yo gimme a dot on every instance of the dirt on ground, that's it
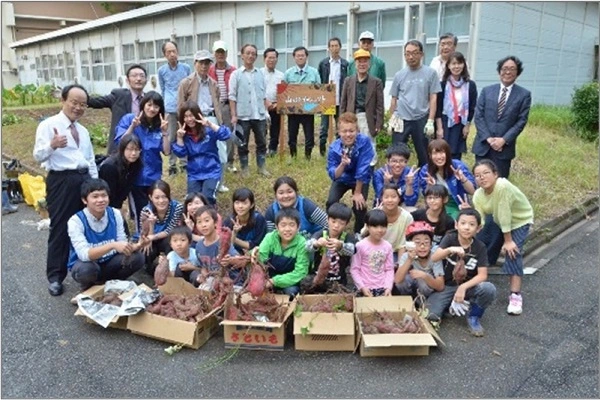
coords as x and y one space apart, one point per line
91 116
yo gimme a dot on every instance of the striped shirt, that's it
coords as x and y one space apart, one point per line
223 96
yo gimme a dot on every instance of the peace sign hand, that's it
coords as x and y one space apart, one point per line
430 180
463 203
378 204
181 130
137 120
410 177
387 174
164 123
203 121
189 222
458 173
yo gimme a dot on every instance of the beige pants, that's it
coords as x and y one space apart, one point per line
363 127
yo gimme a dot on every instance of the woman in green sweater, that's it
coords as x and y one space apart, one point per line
513 214
284 249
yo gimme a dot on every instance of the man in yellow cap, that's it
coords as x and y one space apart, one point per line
362 94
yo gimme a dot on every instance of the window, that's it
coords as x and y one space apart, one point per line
32 67
322 29
185 44
85 64
285 37
38 67
256 36
60 67
454 18
103 64
146 56
21 67
206 40
70 57
128 56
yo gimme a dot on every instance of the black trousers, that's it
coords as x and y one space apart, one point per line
414 129
337 191
502 163
274 129
308 125
63 196
158 246
138 199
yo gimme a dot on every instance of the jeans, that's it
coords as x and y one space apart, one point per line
207 187
415 130
138 199
493 238
482 294
87 273
337 191
410 287
259 127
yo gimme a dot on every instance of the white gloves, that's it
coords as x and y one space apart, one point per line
429 130
459 309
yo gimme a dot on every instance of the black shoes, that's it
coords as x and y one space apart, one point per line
55 288
172 170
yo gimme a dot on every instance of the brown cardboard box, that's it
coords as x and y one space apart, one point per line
97 291
391 344
324 331
172 330
255 335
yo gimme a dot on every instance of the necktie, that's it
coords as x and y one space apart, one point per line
502 101
74 133
135 107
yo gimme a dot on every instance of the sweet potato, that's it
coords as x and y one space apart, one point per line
112 299
322 270
146 225
224 242
459 273
257 280
161 273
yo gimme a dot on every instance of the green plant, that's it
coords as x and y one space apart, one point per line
10 119
585 110
98 134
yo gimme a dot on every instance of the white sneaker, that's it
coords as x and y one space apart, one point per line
232 168
515 304
222 189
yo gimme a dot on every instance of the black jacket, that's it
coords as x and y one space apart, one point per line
324 72
119 102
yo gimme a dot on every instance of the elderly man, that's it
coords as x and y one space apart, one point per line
272 78
201 88
247 101
332 69
414 100
366 41
447 44
122 101
362 94
169 77
64 148
501 115
221 72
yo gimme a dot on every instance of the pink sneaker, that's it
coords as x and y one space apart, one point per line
515 304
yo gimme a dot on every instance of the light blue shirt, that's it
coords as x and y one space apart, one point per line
306 75
247 89
204 98
168 79
175 259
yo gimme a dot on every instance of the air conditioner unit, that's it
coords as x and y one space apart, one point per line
62 23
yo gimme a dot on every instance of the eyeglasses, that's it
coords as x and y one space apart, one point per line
396 161
481 175
412 53
74 103
432 197
422 244
508 69
138 75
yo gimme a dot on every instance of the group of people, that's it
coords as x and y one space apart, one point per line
441 251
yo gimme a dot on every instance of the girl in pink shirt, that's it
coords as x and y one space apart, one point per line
372 266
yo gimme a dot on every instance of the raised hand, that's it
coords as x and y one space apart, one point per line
189 222
429 179
236 225
181 130
410 177
202 121
345 160
387 174
58 141
458 173
164 123
463 203
378 204
137 120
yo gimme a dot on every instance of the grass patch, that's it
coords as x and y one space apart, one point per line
554 167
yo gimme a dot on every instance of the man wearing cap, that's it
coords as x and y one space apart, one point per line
169 77
201 88
362 94
221 72
272 78
414 100
304 74
366 41
332 69
247 100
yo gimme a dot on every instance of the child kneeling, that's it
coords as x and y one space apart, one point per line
417 273
99 247
284 250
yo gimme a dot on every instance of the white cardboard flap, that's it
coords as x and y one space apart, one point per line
325 323
398 339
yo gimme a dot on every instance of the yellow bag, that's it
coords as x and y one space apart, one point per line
34 188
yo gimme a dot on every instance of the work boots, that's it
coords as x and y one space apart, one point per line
7 207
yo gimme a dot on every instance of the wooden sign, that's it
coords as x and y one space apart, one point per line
296 98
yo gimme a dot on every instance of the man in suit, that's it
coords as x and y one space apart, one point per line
362 94
501 114
201 88
332 69
122 101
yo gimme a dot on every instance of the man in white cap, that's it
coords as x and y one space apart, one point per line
366 41
221 71
201 88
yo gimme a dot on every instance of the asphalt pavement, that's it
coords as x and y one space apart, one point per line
551 351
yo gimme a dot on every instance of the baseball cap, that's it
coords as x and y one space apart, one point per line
366 35
202 55
361 53
220 44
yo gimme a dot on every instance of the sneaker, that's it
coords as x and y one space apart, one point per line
515 304
474 326
263 171
222 189
232 168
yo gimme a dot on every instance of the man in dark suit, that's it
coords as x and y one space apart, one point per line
332 69
122 101
501 114
362 94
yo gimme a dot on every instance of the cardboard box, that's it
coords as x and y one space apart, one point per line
255 335
391 344
97 291
172 330
324 331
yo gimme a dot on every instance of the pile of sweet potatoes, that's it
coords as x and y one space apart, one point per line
111 298
255 309
187 308
383 322
329 304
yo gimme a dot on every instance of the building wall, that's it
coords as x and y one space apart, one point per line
554 40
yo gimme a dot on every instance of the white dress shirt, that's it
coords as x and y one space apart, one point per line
507 92
70 157
335 70
271 81
77 232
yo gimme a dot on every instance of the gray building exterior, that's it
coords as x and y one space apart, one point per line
557 41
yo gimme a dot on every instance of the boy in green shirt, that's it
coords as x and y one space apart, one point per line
284 252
